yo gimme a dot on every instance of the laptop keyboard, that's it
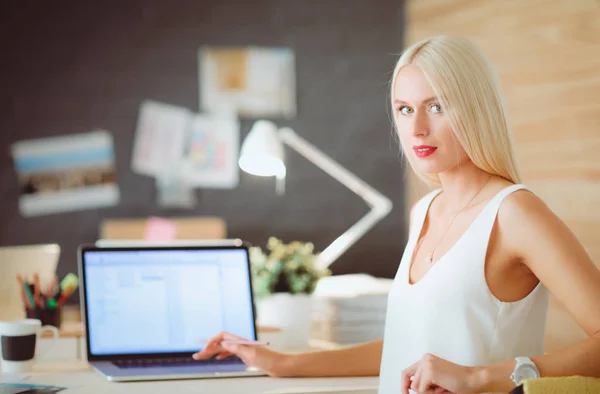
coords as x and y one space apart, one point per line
172 362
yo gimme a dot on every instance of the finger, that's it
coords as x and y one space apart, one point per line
223 355
223 335
216 340
435 390
414 386
426 382
205 353
213 346
407 376
209 351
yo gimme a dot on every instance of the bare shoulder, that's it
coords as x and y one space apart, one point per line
526 224
523 210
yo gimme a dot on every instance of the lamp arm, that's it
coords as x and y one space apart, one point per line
380 205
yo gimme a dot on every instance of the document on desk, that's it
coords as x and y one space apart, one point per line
26 388
325 390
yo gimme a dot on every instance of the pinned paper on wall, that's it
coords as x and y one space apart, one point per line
184 150
212 152
251 81
159 137
66 173
173 190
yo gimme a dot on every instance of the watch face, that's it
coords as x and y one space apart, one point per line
526 372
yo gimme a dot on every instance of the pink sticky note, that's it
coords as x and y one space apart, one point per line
159 229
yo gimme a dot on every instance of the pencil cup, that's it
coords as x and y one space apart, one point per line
48 317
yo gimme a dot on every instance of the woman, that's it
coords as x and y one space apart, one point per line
467 309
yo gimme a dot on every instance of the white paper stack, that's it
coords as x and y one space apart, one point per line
350 309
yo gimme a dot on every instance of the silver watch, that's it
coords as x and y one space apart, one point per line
525 369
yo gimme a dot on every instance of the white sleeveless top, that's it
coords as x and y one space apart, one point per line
451 312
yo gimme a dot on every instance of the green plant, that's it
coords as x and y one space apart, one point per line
287 268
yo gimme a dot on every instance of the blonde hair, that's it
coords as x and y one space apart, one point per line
468 88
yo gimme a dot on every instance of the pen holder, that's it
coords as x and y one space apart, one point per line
48 317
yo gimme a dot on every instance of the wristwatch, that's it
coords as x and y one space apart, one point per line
525 369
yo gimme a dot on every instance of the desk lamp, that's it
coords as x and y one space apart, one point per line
262 154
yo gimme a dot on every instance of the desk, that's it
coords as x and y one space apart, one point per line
62 363
80 379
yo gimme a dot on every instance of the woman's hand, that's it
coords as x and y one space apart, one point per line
433 375
269 361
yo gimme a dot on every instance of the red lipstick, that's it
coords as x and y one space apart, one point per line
424 150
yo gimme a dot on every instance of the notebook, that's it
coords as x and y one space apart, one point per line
147 309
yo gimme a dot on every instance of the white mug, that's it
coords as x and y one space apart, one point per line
18 340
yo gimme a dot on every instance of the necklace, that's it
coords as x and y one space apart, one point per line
429 258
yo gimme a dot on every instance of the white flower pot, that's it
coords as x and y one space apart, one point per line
291 313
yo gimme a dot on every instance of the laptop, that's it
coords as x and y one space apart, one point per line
147 309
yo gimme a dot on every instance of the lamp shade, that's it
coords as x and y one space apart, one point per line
262 151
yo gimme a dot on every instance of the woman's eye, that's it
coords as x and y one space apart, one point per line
404 110
436 108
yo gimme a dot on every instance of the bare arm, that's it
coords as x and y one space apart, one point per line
556 257
359 360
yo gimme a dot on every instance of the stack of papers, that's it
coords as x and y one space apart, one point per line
350 309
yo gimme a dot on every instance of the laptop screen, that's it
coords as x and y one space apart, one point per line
165 300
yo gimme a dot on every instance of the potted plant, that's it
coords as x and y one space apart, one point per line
283 279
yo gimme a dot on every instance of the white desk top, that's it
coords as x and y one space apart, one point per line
78 378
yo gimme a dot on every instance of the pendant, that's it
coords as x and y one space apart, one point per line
430 259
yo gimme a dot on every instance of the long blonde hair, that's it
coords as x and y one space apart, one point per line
468 88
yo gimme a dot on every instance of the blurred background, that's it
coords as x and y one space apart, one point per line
73 67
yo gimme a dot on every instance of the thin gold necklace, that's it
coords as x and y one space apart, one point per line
429 258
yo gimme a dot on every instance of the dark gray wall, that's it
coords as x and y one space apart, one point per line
73 66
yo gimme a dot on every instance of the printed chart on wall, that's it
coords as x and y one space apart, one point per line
159 138
66 173
212 152
198 150
249 81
